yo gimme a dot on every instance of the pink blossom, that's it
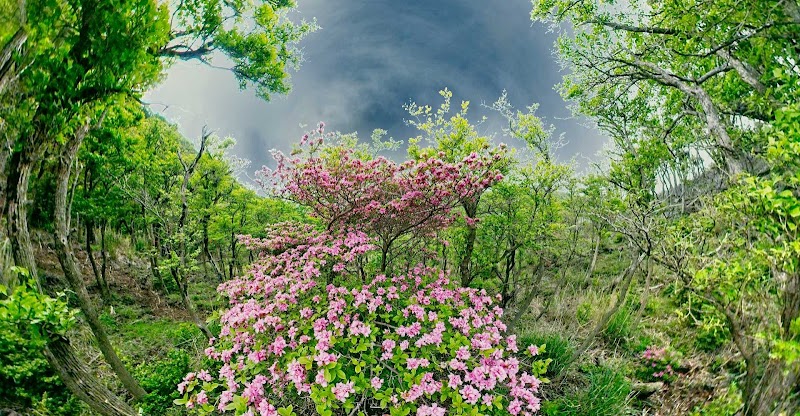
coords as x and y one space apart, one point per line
376 382
533 350
433 410
343 390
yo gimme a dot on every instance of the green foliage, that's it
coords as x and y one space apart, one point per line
160 378
712 331
257 36
606 394
584 312
451 135
27 318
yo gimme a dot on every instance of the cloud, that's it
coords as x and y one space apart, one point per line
370 58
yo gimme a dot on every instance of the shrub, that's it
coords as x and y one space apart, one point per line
657 364
728 404
411 343
26 320
712 332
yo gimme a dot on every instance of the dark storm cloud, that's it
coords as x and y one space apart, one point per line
370 58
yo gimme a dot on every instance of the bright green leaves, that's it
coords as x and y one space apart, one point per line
449 133
287 411
33 313
111 53
788 349
257 37
27 320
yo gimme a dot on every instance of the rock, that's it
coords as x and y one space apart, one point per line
643 390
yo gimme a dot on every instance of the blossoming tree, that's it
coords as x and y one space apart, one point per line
384 199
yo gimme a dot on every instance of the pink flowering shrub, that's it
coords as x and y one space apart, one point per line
657 364
407 344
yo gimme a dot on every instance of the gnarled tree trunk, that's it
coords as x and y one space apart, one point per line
775 391
20 167
80 381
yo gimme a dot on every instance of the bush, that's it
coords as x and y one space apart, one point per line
728 404
709 324
607 394
26 320
657 364
712 332
412 344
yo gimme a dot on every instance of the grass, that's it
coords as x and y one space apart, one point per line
558 348
606 393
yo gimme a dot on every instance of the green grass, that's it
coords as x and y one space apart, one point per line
606 394
622 328
558 348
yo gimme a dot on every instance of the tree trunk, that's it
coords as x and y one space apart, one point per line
13 46
72 272
594 258
5 156
471 210
90 238
234 263
179 273
20 168
104 258
523 306
79 380
207 250
384 258
155 252
507 293
60 354
773 394
188 305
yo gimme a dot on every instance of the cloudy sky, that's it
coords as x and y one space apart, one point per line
371 57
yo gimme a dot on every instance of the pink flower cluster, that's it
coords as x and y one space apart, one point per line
287 331
657 364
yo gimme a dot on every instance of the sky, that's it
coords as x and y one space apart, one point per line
369 58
